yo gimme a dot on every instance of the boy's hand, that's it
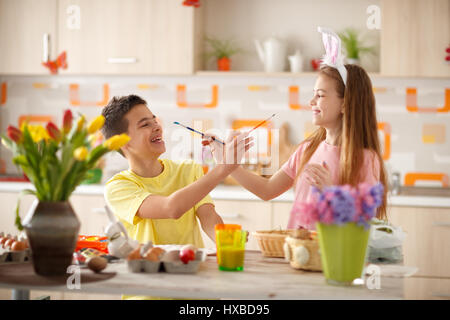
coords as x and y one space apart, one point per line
230 154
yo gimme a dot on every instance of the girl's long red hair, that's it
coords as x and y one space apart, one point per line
359 129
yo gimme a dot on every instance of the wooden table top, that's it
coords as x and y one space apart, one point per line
262 278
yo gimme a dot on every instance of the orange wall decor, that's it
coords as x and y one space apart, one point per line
433 133
74 96
3 93
146 86
182 102
386 129
411 102
249 124
412 177
34 119
294 104
258 88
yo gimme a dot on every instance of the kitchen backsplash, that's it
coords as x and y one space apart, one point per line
413 114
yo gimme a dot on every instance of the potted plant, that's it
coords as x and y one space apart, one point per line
221 50
353 46
55 160
342 216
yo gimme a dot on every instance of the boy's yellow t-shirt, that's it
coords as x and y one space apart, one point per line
125 192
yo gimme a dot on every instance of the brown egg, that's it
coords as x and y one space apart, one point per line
154 254
97 264
8 243
135 254
18 246
151 256
3 240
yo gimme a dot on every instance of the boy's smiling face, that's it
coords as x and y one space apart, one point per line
145 133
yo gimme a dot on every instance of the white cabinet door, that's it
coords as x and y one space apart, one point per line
414 36
91 213
23 24
251 215
280 214
127 37
427 242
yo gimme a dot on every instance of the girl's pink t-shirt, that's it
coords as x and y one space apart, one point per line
330 154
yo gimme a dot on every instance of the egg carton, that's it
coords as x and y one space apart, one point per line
15 256
169 263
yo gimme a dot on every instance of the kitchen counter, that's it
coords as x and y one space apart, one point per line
262 278
223 192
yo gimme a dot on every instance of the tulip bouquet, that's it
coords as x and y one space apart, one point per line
341 204
56 160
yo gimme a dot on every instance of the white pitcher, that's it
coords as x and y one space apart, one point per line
272 54
296 62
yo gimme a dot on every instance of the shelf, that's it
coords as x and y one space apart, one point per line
255 74
287 74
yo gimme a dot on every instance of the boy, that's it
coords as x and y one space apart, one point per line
159 200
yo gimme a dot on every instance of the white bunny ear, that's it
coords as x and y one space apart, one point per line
333 54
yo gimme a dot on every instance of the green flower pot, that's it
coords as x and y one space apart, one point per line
343 251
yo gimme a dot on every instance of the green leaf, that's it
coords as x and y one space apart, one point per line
18 221
8 143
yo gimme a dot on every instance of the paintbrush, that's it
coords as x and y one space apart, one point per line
201 133
260 124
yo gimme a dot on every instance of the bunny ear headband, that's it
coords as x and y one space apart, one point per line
333 56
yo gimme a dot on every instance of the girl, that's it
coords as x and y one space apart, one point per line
345 149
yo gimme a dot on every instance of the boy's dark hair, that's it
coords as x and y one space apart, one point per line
115 111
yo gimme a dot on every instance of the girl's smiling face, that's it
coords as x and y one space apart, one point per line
326 105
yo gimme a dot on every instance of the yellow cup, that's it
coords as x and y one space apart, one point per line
230 244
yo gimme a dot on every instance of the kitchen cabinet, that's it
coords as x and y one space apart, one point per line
8 202
89 209
251 215
414 36
426 289
427 243
129 37
281 212
23 24
91 213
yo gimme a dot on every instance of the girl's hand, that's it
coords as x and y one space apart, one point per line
236 145
317 175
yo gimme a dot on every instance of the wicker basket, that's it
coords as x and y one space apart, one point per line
311 261
271 242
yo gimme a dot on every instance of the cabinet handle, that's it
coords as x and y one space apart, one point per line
441 224
46 47
122 60
440 295
230 215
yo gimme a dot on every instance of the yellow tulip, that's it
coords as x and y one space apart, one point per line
38 133
96 124
80 153
80 123
116 142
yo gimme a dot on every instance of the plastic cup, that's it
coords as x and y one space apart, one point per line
230 244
